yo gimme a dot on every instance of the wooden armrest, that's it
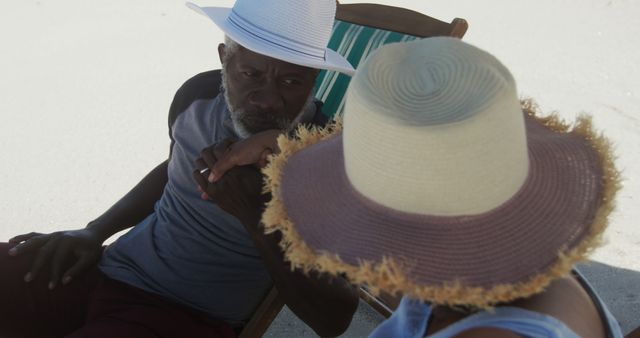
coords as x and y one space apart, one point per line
384 304
264 315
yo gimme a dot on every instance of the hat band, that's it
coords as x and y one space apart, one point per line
271 38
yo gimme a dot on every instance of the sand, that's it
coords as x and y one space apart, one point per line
85 88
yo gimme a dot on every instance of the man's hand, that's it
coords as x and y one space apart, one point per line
55 250
232 152
239 192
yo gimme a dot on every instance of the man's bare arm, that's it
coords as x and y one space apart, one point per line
134 206
85 245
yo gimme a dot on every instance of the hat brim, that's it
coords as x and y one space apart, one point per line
332 60
510 252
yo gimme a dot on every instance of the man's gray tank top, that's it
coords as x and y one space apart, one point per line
189 250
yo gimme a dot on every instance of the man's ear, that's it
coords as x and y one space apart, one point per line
221 50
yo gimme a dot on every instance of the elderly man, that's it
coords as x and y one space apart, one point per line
190 267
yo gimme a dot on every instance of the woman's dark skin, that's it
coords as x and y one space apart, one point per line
325 303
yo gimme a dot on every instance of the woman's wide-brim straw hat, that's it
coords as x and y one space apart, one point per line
440 183
296 32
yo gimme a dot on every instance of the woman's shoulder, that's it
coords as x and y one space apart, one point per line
564 306
567 301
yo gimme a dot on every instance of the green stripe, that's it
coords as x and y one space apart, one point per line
348 33
354 42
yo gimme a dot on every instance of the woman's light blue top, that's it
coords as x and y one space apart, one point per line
411 319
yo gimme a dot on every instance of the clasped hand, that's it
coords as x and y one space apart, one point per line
234 181
231 152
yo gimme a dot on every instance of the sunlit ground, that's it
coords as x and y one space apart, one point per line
85 88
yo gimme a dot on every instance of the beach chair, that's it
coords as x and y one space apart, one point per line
359 29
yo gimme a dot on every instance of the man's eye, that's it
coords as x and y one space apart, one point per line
249 74
290 82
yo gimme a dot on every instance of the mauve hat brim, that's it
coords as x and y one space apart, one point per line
510 252
332 59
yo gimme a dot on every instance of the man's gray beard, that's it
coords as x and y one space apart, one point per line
284 124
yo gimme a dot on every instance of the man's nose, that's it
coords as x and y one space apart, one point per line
267 98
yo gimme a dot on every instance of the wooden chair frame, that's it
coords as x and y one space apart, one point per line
263 316
400 20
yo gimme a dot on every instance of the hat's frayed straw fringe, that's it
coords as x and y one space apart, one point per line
391 275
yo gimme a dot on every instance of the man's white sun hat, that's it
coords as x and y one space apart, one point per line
295 31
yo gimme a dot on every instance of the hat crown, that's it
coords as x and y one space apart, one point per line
432 86
450 133
305 25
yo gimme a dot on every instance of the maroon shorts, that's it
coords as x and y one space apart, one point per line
92 305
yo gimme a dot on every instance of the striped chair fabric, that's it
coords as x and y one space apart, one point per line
355 42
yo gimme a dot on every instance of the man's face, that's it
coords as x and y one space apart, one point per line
263 92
